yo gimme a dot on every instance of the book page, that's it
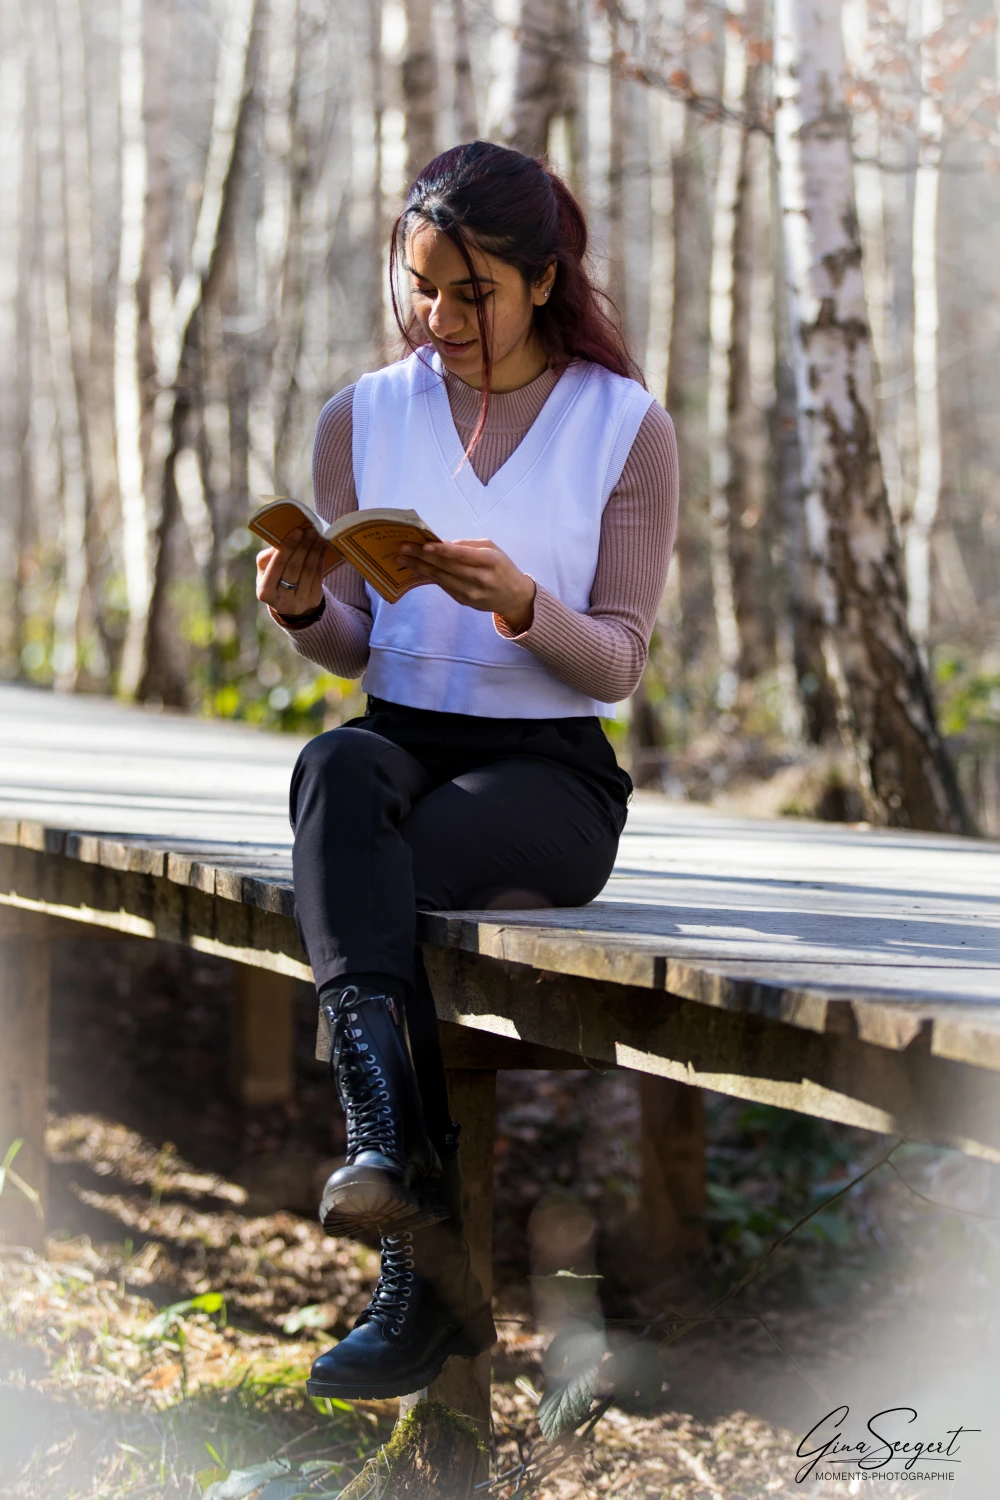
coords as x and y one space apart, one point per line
373 547
278 520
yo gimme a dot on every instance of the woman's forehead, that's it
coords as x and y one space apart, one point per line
430 252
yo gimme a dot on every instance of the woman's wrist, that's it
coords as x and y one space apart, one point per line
299 622
518 615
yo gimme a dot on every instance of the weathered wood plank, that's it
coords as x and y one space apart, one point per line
262 1036
835 1077
672 1149
25 947
465 1383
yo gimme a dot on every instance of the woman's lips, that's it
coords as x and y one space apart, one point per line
454 350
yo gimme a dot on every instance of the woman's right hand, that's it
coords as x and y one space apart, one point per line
297 560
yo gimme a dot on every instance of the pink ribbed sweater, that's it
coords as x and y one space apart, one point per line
600 653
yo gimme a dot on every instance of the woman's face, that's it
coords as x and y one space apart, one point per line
443 305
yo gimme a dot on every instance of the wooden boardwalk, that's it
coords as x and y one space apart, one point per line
848 973
818 925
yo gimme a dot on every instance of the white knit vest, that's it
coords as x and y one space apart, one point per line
543 507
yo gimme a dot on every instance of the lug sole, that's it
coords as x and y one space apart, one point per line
372 1201
464 1344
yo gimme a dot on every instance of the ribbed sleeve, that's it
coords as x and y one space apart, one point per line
338 641
600 653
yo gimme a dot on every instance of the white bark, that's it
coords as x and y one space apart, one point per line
546 33
420 87
128 401
882 687
57 280
925 340
720 338
176 334
465 93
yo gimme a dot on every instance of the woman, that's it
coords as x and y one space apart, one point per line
479 775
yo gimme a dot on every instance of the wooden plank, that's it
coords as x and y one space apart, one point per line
24 1069
465 1383
835 1077
262 1036
672 1151
876 932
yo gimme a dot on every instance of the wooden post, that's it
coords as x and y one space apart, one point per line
673 1164
472 1094
262 1036
24 1068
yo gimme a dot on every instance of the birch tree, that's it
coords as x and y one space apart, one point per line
543 82
420 87
178 343
687 371
925 335
465 92
726 334
23 477
59 201
127 380
881 683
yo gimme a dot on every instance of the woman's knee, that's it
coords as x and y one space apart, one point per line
341 762
343 750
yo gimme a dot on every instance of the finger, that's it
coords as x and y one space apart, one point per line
292 571
267 583
312 574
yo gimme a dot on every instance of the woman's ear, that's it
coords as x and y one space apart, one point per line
543 286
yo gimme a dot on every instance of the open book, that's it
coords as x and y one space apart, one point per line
368 539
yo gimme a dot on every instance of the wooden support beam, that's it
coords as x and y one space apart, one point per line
672 1126
24 1069
262 1036
472 1094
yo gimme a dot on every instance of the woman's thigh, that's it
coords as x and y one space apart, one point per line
516 833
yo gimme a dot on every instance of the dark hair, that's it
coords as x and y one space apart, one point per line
514 208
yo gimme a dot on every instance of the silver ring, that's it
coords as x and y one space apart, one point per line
283 585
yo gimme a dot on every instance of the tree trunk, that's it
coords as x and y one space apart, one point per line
24 526
128 338
465 93
376 305
547 33
925 337
420 87
882 687
687 377
58 94
178 357
800 621
729 352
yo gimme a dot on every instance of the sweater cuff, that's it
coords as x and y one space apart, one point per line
503 629
543 607
300 622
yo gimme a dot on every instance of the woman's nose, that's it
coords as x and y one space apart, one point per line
445 320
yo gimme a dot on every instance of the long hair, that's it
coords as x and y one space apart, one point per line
513 208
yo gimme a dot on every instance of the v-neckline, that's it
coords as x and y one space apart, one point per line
484 497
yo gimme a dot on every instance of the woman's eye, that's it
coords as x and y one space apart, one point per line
420 291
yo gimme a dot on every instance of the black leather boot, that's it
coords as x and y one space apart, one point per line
428 1304
390 1181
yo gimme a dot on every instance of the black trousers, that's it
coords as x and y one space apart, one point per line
407 810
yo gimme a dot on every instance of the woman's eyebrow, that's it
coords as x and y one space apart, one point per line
466 281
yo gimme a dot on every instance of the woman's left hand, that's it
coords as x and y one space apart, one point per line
479 574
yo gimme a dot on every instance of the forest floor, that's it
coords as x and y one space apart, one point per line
162 1341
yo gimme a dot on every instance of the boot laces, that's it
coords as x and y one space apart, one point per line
371 1125
394 1287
